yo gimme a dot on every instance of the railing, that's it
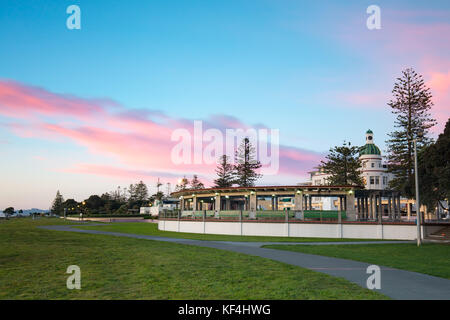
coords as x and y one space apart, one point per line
324 215
263 215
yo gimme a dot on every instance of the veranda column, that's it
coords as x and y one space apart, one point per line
253 201
350 206
217 203
408 210
380 213
378 206
298 202
358 208
182 204
390 207
194 203
363 209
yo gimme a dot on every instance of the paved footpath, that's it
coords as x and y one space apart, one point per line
397 284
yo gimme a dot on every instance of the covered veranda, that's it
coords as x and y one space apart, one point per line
254 202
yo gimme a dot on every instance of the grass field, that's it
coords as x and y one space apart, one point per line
151 229
33 265
430 258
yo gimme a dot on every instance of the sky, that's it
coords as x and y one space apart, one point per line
86 110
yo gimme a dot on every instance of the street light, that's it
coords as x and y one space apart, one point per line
419 236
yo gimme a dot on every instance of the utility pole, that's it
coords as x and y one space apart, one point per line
158 184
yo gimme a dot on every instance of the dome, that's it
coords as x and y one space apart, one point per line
368 149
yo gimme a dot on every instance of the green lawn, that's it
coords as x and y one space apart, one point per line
151 229
430 258
33 263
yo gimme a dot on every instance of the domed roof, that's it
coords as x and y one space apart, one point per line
369 148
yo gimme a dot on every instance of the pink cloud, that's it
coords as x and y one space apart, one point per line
138 140
440 85
407 38
25 102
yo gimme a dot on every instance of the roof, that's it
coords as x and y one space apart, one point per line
369 148
369 131
266 188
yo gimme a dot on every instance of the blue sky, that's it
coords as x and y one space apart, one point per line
311 69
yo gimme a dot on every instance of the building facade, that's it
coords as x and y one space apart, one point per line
374 170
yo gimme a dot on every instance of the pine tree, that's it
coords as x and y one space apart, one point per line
225 173
140 191
131 193
246 165
411 103
196 184
343 165
57 206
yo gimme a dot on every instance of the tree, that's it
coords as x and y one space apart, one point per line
8 211
140 191
411 103
71 205
119 194
94 203
196 184
225 173
434 170
131 193
184 183
246 165
343 165
122 210
57 206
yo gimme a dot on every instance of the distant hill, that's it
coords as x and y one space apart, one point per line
33 210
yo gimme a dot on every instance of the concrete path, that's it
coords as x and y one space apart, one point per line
397 284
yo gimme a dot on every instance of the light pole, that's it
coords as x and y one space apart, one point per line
419 236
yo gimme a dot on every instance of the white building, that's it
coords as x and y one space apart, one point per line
160 205
374 172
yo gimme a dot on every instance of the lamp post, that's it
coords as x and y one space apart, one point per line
419 236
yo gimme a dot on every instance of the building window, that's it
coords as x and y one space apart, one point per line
384 180
379 165
372 180
377 180
373 165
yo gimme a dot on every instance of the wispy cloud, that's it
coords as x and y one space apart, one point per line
139 140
